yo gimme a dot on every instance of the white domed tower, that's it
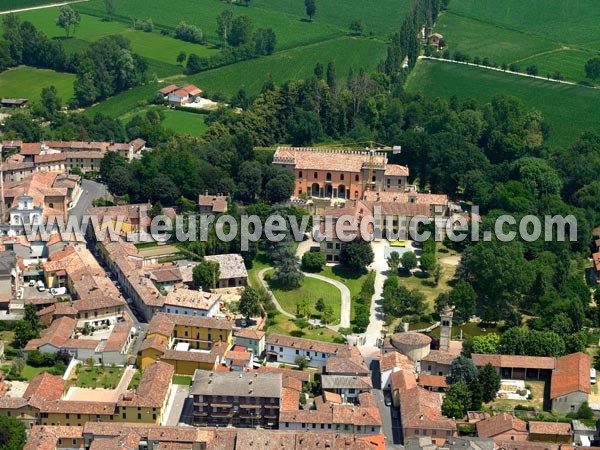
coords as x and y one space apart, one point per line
446 329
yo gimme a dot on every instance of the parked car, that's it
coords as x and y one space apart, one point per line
395 413
31 283
388 399
58 291
41 286
243 323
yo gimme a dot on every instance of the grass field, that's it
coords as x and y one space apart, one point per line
284 325
310 290
9 5
27 82
513 31
160 51
296 63
97 377
182 122
125 101
183 380
570 110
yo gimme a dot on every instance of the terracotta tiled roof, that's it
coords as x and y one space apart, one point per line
190 298
167 89
321 159
304 377
395 359
56 334
406 197
305 344
218 203
350 366
249 333
572 374
290 399
438 381
440 357
523 362
553 428
396 170
410 338
156 342
153 387
403 380
500 423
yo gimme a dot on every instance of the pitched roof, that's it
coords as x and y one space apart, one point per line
218 203
572 374
354 365
515 361
500 423
56 334
330 159
231 265
395 359
45 387
554 428
164 323
190 298
307 344
153 387
249 333
427 380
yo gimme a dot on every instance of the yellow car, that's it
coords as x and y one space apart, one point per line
398 244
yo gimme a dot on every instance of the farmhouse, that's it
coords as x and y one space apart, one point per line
212 204
328 173
13 102
436 40
179 95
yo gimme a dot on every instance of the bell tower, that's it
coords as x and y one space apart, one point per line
445 329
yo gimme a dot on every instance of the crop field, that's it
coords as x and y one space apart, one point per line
125 101
9 5
182 122
514 31
570 110
27 82
160 51
298 63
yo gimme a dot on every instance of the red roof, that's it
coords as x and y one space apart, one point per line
500 423
596 258
572 374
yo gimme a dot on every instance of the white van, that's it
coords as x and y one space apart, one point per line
58 291
41 286
593 376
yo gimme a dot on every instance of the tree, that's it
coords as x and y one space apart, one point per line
280 188
394 261
111 7
241 31
408 261
206 274
532 70
264 41
320 305
486 344
224 26
249 304
17 366
119 179
301 362
462 370
311 8
181 57
592 68
427 262
50 99
489 379
327 315
194 64
331 76
476 395
32 317
585 411
356 28
189 33
313 261
356 255
286 263
457 400
24 332
12 433
464 299
68 19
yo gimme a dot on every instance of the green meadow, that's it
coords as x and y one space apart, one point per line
182 122
569 109
27 82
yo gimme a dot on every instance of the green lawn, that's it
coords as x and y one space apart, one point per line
182 122
135 380
310 289
570 110
350 278
183 380
97 377
297 63
284 325
259 263
27 82
570 63
29 372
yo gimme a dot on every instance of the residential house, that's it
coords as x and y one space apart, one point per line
9 277
570 383
212 204
285 349
503 426
191 302
556 432
232 270
181 95
251 339
232 399
435 383
393 362
436 40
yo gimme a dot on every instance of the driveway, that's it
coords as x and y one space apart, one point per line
177 400
381 268
391 427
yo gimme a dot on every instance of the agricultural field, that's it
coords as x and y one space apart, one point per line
569 109
182 122
160 51
522 32
125 101
298 63
27 82
9 5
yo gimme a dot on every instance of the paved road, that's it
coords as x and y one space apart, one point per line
91 190
391 426
376 320
179 394
345 294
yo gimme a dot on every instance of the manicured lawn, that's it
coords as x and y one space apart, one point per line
97 377
310 290
29 372
125 101
27 82
135 380
285 325
297 63
183 380
537 389
351 279
182 122
570 110
259 263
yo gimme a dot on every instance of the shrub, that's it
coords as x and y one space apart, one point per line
297 333
189 33
313 261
